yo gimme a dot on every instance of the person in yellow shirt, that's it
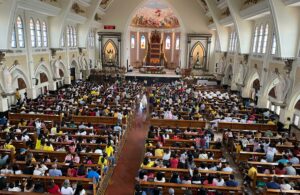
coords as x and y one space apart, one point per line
22 123
9 146
238 147
18 95
103 163
48 147
38 143
109 150
158 152
147 163
270 122
252 172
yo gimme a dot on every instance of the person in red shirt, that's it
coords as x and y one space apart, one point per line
280 170
53 188
174 161
175 137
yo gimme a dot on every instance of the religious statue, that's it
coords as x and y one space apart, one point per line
56 69
110 55
241 74
198 63
7 80
221 66
282 87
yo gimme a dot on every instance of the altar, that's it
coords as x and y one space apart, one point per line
155 60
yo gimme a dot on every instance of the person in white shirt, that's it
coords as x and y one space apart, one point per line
219 181
66 189
167 155
14 188
285 185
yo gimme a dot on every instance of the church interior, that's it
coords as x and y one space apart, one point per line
149 97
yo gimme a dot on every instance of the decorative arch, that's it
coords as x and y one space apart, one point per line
294 100
63 67
42 68
198 47
269 86
250 82
18 73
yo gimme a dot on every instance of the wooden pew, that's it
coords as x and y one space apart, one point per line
274 191
186 142
95 120
268 177
217 153
179 187
61 155
197 161
168 171
269 164
177 123
44 117
244 156
242 126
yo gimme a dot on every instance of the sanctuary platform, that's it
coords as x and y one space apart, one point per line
169 76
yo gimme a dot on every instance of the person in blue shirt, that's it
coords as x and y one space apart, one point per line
273 184
93 174
54 172
231 182
284 160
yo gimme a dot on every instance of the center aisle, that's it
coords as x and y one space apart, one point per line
123 178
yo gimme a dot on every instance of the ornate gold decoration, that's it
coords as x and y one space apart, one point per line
226 12
77 9
250 2
97 18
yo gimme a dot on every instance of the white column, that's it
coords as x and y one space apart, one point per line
3 104
31 89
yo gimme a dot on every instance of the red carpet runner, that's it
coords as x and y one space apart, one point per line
123 179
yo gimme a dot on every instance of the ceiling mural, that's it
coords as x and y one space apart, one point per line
155 14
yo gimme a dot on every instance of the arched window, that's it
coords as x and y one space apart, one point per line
69 36
38 33
168 42
274 45
143 42
255 40
260 39
20 27
177 44
32 32
45 34
74 37
62 40
265 40
132 42
232 41
13 43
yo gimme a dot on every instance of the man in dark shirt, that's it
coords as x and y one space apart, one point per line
231 182
28 170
